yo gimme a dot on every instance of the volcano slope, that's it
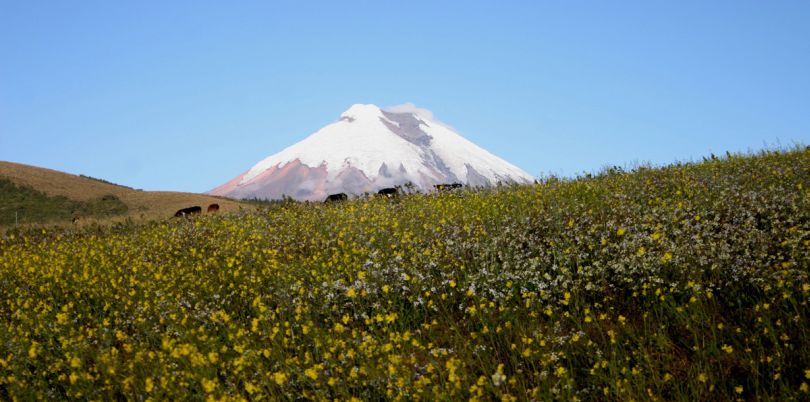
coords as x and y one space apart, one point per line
688 282
369 149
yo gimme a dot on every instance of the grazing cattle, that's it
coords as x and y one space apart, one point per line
447 187
213 208
337 197
388 192
188 211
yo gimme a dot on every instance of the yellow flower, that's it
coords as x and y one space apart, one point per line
621 232
390 318
727 348
209 385
224 316
149 385
738 389
279 377
351 292
312 373
62 318
76 362
702 377
32 351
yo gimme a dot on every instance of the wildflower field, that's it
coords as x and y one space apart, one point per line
688 282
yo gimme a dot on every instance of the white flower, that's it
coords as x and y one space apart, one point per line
498 378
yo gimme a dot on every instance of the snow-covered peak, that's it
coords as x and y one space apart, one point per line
360 111
371 147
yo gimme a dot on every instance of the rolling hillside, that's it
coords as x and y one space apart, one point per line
40 195
680 283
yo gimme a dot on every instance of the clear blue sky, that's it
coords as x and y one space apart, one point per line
171 95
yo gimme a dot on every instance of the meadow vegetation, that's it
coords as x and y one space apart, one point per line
20 204
688 282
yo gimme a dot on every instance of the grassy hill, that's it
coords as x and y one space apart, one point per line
20 203
688 282
37 195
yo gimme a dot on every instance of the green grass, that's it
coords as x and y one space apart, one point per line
688 282
26 205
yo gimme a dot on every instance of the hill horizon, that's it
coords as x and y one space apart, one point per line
76 191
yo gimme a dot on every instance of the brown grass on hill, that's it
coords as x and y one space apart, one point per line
143 205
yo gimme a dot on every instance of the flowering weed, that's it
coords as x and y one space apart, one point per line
688 282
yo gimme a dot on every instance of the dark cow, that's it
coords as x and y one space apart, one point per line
337 197
213 208
188 211
447 187
388 192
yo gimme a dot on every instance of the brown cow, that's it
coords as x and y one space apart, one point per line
213 208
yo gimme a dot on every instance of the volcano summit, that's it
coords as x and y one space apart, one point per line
370 148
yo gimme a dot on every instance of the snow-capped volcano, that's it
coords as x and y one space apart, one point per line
370 148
